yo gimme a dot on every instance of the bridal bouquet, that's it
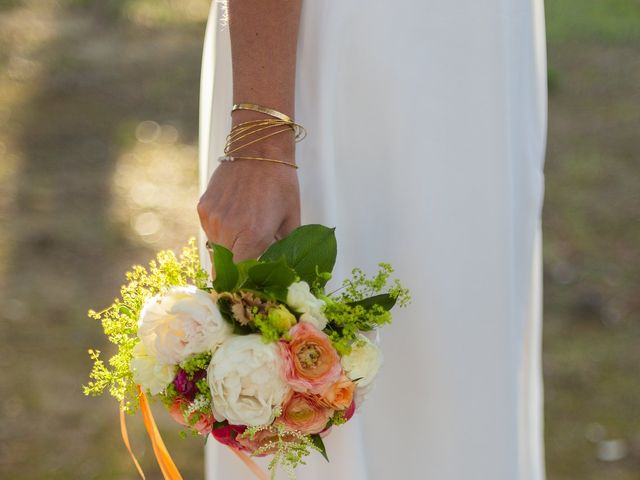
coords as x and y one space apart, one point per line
262 359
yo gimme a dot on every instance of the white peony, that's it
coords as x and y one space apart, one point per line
245 382
363 363
301 300
148 372
182 322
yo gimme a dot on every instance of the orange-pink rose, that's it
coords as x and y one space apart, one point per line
202 425
339 395
311 364
305 414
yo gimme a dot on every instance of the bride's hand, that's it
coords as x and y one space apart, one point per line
249 204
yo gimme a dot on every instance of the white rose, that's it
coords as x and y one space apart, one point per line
245 382
363 363
148 372
300 299
180 323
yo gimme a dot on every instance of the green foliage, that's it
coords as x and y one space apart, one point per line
243 270
361 306
120 320
275 324
170 394
266 277
384 300
227 273
196 363
309 249
309 254
359 288
272 278
269 332
289 447
338 418
319 444
346 321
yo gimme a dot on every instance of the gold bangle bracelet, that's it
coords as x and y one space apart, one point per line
229 158
262 109
254 126
244 134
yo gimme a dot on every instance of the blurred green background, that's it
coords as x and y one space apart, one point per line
98 123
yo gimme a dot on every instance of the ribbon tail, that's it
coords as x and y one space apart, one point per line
253 466
167 466
165 462
125 439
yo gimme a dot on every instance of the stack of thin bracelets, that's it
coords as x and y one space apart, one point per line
280 122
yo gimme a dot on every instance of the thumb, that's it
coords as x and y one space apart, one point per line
290 224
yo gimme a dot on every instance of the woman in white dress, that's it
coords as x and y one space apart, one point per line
426 126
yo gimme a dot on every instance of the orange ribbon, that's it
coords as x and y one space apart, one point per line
125 439
253 466
167 466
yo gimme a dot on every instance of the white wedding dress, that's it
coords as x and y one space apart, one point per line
426 123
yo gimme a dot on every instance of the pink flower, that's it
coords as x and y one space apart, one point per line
227 435
186 386
304 414
262 439
350 411
310 363
202 425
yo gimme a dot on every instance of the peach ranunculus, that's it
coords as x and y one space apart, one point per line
339 395
303 413
204 423
311 364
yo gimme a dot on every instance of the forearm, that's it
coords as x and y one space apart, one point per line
264 36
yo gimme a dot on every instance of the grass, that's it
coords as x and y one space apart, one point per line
97 93
606 22
592 230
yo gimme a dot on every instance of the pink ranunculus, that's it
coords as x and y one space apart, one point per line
303 413
227 435
310 363
202 425
262 439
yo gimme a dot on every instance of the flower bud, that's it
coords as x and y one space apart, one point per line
281 318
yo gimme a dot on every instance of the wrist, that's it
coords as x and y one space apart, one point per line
280 146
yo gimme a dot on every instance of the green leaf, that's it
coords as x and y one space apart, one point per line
243 270
272 277
226 271
272 273
317 441
306 248
385 300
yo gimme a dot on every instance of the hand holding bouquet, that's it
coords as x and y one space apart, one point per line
263 359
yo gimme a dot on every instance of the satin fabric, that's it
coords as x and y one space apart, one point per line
426 123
